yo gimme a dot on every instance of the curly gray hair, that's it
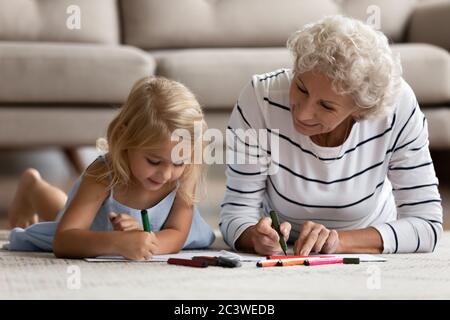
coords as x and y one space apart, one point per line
356 57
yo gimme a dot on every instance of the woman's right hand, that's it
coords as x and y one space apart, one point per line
264 239
138 245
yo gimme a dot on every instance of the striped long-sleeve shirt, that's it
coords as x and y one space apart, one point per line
382 176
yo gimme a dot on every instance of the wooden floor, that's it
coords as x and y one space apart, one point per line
55 168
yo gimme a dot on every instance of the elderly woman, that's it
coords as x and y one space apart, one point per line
354 172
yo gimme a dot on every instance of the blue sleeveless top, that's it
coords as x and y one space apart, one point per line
39 237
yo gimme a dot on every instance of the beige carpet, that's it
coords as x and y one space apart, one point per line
42 276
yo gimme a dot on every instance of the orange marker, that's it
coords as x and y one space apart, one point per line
292 262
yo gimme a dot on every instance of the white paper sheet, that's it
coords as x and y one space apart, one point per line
184 254
362 257
244 257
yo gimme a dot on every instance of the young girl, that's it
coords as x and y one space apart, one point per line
102 213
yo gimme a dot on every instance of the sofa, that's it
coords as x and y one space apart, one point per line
67 65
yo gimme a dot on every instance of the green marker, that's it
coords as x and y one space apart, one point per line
145 221
276 226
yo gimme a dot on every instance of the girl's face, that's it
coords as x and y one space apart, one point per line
153 169
315 107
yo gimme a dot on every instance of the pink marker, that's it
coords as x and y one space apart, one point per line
318 262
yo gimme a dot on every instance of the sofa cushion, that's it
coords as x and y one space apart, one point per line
428 22
156 24
217 76
46 126
438 126
69 73
427 70
45 20
391 15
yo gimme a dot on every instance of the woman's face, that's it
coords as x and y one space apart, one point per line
315 107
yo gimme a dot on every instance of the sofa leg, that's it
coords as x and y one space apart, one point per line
75 159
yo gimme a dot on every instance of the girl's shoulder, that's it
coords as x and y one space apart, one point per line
90 190
97 172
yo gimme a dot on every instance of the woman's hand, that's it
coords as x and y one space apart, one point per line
137 245
314 237
265 239
123 222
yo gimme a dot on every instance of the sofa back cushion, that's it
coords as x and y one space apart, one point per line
156 24
390 17
46 20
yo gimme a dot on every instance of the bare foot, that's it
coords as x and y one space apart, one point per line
21 212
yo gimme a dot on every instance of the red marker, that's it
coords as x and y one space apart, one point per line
188 262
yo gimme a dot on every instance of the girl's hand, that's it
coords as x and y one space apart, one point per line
138 245
265 239
314 237
123 222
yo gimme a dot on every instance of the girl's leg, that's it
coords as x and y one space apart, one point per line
35 200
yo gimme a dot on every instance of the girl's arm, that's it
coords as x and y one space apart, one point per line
176 229
73 238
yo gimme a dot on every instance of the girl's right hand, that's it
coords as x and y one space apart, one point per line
138 245
265 239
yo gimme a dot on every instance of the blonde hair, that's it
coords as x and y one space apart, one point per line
155 107
356 57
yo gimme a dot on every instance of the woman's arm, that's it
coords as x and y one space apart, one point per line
366 240
246 182
245 241
315 237
414 184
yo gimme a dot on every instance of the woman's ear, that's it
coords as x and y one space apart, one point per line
357 112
